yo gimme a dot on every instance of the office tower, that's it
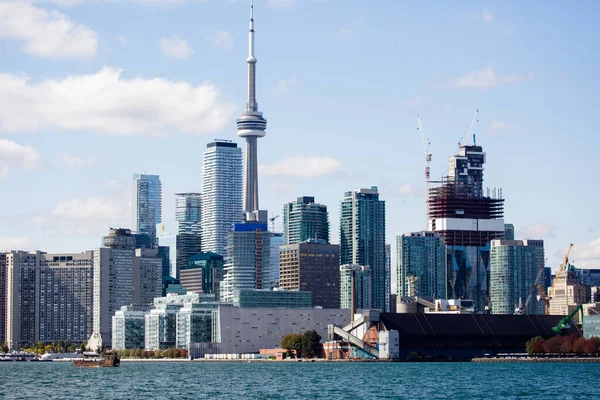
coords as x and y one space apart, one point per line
388 276
221 194
313 267
304 219
251 125
276 243
468 221
362 279
203 273
362 237
113 283
49 297
247 265
421 265
509 232
188 213
515 266
3 299
567 292
128 327
147 204
147 276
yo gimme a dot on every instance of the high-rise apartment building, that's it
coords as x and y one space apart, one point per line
188 213
421 265
361 278
313 267
221 194
128 327
304 219
146 203
388 276
468 221
49 297
362 238
147 276
248 261
515 266
3 299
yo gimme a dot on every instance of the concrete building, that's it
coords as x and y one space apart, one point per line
388 276
247 265
203 273
147 204
221 194
3 298
147 276
314 267
48 297
421 265
361 278
128 327
252 298
195 324
515 267
362 238
591 326
567 292
304 219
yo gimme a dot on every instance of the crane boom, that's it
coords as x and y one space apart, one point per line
426 147
471 126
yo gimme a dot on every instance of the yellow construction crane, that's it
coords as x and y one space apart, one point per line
542 295
427 147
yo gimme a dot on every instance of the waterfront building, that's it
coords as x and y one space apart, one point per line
252 298
147 276
421 265
147 204
312 266
276 243
251 125
3 297
304 219
48 297
362 238
247 265
515 266
388 276
359 278
567 292
221 194
113 282
468 220
509 232
128 327
195 324
591 326
203 273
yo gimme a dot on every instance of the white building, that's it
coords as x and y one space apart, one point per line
128 328
221 194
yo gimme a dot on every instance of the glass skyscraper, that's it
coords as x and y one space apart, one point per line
221 194
421 265
188 213
362 238
147 204
303 219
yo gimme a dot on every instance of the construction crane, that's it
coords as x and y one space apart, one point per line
565 322
272 220
520 309
473 120
426 147
542 295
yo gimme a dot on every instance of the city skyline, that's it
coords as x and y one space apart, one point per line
517 116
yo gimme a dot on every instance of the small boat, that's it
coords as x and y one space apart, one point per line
89 361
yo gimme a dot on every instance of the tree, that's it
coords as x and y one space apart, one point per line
4 348
578 346
532 345
592 346
311 344
292 342
138 353
552 345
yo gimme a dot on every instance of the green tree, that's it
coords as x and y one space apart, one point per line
531 347
5 348
311 344
138 353
292 342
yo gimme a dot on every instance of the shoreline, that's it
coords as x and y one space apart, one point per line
539 360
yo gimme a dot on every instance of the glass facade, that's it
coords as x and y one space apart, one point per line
147 204
421 265
128 328
272 299
363 286
303 219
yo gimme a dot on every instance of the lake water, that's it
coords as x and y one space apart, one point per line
270 380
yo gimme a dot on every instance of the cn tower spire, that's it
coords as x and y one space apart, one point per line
251 125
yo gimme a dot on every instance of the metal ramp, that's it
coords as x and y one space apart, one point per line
347 336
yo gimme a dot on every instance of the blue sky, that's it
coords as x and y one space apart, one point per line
92 91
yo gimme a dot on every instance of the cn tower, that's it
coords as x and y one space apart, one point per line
251 125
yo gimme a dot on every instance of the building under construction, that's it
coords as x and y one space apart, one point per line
468 220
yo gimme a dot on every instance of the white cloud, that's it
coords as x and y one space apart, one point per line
487 16
45 33
588 255
414 102
281 187
112 183
538 230
8 243
404 190
499 126
122 40
93 208
284 85
301 166
484 79
14 155
175 48
75 161
106 103
280 3
223 40
344 34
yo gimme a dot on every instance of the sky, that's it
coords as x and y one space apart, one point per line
93 91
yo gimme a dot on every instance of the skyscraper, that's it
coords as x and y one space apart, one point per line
466 169
362 237
251 125
221 194
146 203
515 266
276 243
362 278
304 219
188 213
421 265
509 232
